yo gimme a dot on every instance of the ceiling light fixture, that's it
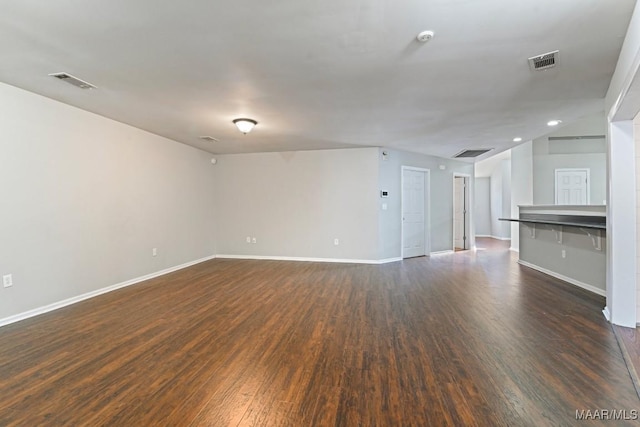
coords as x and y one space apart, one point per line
554 122
517 139
425 36
245 125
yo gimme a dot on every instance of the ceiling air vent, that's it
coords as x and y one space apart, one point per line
473 153
544 61
576 138
209 138
66 77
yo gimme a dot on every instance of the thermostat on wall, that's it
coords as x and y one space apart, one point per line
384 193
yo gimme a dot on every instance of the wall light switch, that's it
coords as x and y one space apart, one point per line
154 252
248 239
254 240
384 206
336 242
7 280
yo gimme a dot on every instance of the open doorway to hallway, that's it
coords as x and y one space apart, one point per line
461 221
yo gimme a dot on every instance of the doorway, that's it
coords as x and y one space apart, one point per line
460 212
572 186
415 212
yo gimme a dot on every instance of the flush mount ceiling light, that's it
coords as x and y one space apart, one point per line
554 122
245 125
517 139
425 36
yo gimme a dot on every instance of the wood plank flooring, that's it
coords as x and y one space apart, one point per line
465 339
629 341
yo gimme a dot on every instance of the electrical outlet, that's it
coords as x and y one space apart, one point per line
154 251
248 239
336 242
7 280
254 240
564 253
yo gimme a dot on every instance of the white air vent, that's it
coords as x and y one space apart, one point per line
576 138
544 61
209 138
66 77
473 153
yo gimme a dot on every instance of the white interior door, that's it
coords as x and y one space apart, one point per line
413 213
459 212
572 186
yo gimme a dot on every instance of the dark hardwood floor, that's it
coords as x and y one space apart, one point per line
629 341
462 339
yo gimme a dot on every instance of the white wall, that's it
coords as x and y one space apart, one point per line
544 175
622 104
85 199
440 210
636 138
621 266
296 203
521 185
482 206
591 154
627 65
505 226
501 199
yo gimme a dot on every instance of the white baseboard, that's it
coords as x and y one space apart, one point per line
73 300
514 249
607 314
575 282
388 260
448 251
307 259
493 237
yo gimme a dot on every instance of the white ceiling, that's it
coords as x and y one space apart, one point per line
321 73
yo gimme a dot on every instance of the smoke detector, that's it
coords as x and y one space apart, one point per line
425 36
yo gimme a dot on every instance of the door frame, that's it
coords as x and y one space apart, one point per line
555 182
427 209
467 217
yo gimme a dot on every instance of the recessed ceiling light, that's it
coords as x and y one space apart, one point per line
554 122
517 139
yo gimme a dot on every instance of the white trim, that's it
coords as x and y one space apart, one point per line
493 237
427 211
308 259
514 249
622 244
76 299
606 313
388 260
575 282
448 251
573 170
